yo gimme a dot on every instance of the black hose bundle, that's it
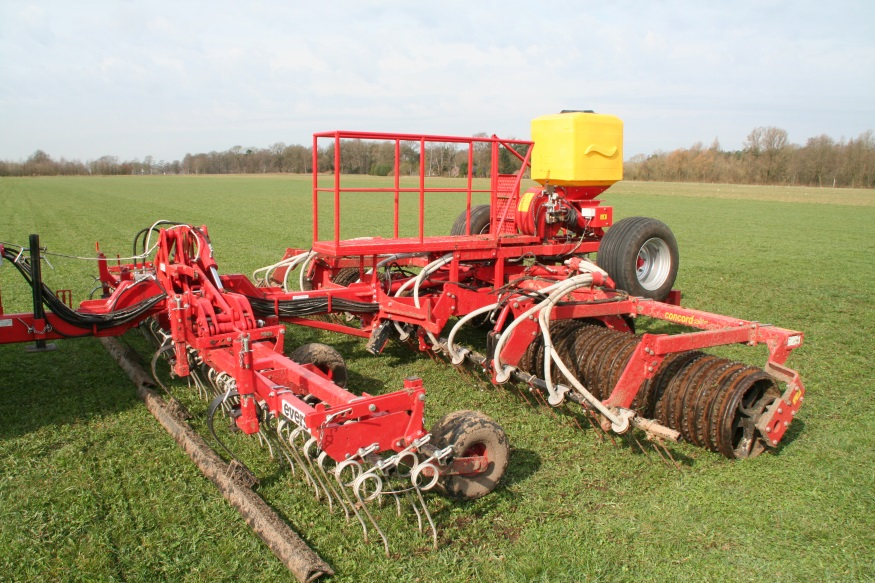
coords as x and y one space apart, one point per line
82 320
307 307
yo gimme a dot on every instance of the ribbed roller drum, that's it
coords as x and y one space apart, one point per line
713 402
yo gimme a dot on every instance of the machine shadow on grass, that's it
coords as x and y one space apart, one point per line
58 387
796 429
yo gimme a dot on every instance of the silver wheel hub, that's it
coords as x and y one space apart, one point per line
654 264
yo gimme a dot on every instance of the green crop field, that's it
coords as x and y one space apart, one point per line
92 488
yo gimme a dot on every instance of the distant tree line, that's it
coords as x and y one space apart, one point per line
767 157
41 164
358 157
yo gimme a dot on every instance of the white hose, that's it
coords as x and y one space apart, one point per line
458 357
416 282
618 423
433 266
502 372
290 262
304 267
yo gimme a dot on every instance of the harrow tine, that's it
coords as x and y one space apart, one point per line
638 443
378 485
569 413
430 473
589 417
415 509
321 464
202 390
282 425
301 464
434 536
656 447
338 472
307 448
671 457
592 417
263 438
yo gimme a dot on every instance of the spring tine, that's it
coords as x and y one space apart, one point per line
264 441
434 536
338 470
358 494
307 446
275 442
301 455
294 451
321 465
415 509
282 425
397 502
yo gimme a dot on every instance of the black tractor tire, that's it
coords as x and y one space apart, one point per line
346 276
480 220
472 433
325 358
641 256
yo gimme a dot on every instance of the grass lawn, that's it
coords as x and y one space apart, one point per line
92 488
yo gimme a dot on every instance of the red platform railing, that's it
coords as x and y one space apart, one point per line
503 189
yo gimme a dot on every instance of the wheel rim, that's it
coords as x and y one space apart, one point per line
654 263
752 396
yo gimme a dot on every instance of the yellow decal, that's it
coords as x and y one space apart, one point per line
687 320
603 217
796 396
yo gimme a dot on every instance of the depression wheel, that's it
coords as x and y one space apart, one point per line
325 358
472 433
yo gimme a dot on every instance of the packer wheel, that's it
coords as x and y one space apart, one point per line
480 219
641 256
740 410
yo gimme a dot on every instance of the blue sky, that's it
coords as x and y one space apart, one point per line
85 79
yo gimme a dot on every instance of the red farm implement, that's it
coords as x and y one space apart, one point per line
517 263
519 267
349 447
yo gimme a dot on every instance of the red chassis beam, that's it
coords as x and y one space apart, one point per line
24 327
344 422
207 313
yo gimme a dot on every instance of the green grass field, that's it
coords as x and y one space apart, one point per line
92 488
